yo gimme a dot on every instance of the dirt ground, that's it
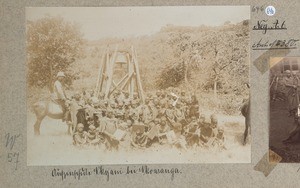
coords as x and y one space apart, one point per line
54 147
280 126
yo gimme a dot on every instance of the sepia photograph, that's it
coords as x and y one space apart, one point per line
147 85
284 126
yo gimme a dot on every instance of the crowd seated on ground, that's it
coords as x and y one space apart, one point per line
166 117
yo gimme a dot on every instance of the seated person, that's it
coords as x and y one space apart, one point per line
138 137
201 120
206 133
92 137
163 130
175 138
153 131
192 132
79 138
120 111
193 125
214 124
219 140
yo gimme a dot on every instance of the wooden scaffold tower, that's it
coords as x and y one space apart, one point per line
131 80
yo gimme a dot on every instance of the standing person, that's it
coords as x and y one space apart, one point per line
297 84
194 107
290 91
59 94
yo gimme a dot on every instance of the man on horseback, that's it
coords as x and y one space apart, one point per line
59 94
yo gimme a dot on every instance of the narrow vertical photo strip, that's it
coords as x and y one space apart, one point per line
284 129
138 85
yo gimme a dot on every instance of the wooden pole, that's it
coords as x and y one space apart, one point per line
131 71
100 73
110 73
139 83
103 75
128 69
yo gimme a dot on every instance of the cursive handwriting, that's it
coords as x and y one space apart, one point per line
106 172
264 26
12 156
275 44
10 140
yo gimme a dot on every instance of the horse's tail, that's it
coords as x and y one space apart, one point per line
35 108
245 109
38 107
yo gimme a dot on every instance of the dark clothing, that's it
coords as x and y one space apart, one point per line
206 133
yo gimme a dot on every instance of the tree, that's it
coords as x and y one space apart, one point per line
185 56
207 58
53 44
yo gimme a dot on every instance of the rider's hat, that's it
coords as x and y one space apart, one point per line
60 74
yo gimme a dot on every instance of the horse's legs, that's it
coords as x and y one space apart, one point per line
70 128
37 125
246 131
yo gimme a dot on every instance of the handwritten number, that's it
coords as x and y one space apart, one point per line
262 8
17 160
13 157
257 8
9 157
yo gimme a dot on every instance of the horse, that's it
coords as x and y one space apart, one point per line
245 110
53 110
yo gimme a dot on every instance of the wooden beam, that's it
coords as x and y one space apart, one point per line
139 83
110 73
114 83
103 79
128 69
100 73
131 84
128 80
118 84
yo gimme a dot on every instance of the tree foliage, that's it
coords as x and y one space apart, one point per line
208 57
53 44
186 56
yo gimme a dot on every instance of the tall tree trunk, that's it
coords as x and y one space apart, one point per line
215 89
215 92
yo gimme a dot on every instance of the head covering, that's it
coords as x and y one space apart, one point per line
288 71
220 129
92 127
213 119
80 125
61 74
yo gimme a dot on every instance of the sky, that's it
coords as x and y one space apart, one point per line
101 22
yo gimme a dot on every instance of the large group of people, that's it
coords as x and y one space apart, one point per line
166 117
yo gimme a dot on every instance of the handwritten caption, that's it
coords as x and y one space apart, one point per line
108 173
12 154
266 25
